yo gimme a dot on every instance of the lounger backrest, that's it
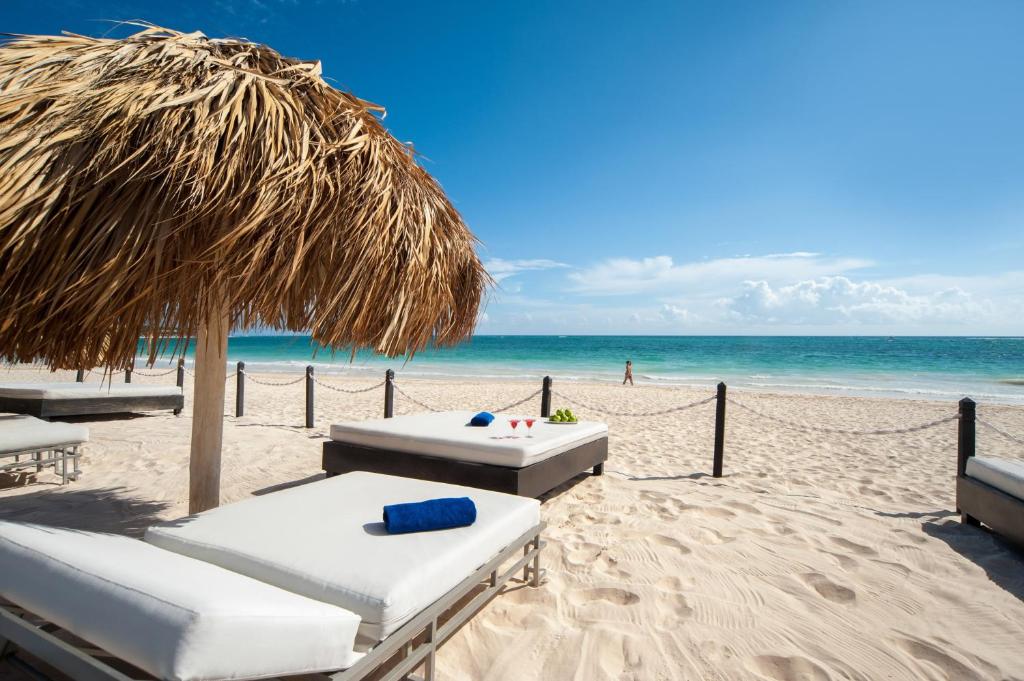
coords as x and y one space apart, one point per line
172 616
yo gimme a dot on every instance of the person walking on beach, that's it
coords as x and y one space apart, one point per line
629 372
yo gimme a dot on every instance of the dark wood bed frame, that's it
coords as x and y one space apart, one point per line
84 406
529 481
978 502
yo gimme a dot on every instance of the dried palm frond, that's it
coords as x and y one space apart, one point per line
139 175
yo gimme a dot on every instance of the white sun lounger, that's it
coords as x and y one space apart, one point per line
46 400
43 443
265 591
443 447
296 539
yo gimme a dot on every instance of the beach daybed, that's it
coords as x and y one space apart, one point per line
47 400
299 582
443 447
991 491
43 444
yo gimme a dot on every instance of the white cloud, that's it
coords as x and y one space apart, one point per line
659 274
838 300
672 313
502 269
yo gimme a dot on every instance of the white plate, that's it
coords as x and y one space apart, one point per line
563 423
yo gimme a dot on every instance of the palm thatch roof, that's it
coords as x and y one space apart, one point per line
139 175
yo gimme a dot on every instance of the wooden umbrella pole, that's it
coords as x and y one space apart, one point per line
208 411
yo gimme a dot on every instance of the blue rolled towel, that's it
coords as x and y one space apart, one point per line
434 514
484 418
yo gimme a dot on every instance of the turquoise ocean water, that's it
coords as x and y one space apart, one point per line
986 368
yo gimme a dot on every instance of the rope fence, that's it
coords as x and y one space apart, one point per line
808 428
630 414
999 431
965 414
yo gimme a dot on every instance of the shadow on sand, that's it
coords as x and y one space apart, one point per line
287 485
110 509
1001 561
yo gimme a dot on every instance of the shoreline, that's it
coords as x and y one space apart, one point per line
365 377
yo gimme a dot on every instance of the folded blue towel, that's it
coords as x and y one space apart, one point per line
484 418
434 514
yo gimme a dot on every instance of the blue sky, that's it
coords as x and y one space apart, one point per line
671 167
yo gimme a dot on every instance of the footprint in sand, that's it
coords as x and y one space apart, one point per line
788 668
674 584
859 549
671 543
708 536
608 594
583 555
740 506
828 589
934 655
716 512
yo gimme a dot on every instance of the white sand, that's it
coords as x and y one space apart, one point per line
816 557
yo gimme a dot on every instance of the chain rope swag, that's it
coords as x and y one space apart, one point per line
999 431
513 405
353 391
797 425
136 372
235 373
274 384
611 412
412 399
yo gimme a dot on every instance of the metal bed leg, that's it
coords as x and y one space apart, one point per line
74 462
63 466
38 457
526 568
429 663
536 561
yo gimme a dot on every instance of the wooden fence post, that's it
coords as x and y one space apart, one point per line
545 398
719 432
389 393
181 372
240 390
80 376
309 396
965 440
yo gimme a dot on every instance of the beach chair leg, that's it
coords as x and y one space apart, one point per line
74 462
38 456
536 562
526 569
429 663
599 469
969 520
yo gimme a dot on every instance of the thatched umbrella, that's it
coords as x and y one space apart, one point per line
170 186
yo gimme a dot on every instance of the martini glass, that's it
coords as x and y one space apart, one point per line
513 423
529 426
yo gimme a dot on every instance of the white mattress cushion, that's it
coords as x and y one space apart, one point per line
1006 475
172 616
326 540
448 435
72 391
20 433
